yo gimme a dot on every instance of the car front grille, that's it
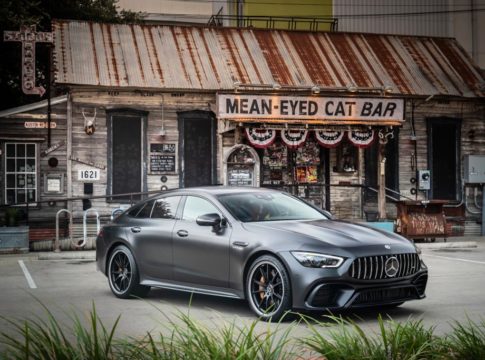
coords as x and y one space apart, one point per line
374 267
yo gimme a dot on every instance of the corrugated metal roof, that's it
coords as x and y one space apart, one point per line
211 58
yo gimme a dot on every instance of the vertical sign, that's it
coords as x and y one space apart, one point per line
29 37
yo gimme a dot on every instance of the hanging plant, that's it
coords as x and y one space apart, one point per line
294 138
329 138
260 138
361 139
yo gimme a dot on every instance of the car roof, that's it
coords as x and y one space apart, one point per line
219 190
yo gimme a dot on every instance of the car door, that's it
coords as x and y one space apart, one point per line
200 253
152 234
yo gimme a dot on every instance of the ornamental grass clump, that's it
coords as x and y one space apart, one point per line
47 339
394 341
467 340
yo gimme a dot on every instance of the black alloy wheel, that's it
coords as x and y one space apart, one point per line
123 274
268 288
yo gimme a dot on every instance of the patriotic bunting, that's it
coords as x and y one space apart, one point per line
361 139
260 138
294 138
329 138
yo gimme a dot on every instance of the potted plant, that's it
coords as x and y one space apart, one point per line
13 238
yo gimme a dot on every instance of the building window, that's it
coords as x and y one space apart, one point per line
20 172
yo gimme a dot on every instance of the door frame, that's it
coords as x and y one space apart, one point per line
191 115
143 115
430 122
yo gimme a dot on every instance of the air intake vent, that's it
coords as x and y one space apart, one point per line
385 266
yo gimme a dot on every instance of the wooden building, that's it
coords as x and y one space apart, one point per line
159 107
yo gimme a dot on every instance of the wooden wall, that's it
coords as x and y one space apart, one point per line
12 129
93 148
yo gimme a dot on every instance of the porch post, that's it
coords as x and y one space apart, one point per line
381 180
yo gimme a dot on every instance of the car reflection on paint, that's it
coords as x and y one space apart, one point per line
266 246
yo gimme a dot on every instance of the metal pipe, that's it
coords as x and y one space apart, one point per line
475 193
57 245
467 207
85 230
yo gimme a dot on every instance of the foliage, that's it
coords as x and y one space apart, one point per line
14 13
336 338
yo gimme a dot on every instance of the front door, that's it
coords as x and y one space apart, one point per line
200 254
127 148
444 158
197 148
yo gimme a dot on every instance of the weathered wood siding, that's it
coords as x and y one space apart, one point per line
94 148
12 129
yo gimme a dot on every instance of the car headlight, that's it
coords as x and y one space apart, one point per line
316 260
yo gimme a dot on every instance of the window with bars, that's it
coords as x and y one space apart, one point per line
20 172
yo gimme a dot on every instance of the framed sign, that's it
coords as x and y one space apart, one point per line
54 183
162 158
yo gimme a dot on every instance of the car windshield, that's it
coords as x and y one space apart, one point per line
264 206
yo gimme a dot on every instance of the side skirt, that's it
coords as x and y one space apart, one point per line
190 289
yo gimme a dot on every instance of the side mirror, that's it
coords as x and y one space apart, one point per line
209 220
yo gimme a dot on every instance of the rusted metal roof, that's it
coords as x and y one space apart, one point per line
213 59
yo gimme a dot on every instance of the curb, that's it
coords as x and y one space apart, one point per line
68 255
448 245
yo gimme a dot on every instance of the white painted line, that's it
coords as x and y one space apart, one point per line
456 259
27 275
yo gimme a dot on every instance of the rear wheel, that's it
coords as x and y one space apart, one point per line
268 288
123 276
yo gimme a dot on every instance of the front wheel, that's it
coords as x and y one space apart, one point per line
123 276
268 288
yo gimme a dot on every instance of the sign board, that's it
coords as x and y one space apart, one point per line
87 162
334 109
39 124
161 163
240 177
52 148
162 148
53 183
88 174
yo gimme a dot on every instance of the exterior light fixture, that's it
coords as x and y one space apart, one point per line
236 85
352 88
276 86
387 89
316 89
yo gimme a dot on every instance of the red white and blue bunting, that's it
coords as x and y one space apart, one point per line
294 138
361 139
329 138
260 138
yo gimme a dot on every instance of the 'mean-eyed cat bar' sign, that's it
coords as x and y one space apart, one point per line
326 109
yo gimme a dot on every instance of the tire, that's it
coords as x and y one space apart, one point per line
123 276
268 288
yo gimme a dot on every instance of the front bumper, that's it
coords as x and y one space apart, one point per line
335 289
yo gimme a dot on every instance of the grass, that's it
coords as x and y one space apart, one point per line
334 338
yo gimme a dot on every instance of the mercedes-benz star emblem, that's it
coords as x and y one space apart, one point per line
391 267
388 247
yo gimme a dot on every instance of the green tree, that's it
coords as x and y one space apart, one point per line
14 13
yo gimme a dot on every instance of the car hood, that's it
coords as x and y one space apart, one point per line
336 233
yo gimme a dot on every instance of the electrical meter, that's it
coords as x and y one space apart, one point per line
424 180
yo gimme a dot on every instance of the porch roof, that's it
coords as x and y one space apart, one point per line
197 58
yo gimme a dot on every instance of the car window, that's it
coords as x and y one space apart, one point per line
166 208
135 210
146 210
196 206
264 206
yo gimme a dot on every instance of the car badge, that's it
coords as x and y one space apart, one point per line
388 247
391 267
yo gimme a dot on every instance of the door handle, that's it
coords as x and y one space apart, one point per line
135 229
183 233
240 244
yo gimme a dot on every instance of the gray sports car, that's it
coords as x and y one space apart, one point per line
266 246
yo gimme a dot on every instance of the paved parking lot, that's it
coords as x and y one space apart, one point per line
455 290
